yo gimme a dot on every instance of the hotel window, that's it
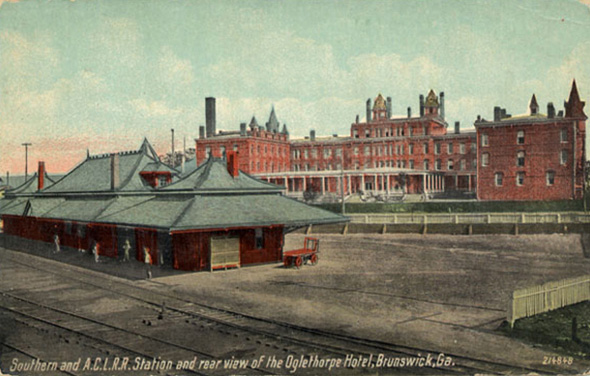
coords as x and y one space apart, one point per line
499 178
367 133
258 166
314 153
473 147
398 131
411 164
207 151
339 152
550 177
485 159
403 164
258 149
519 178
235 147
437 165
426 166
411 149
425 130
327 153
450 148
259 235
563 135
265 150
563 157
356 151
410 131
462 164
355 133
425 148
450 164
367 150
474 164
484 139
520 137
520 159
305 154
436 148
462 148
401 148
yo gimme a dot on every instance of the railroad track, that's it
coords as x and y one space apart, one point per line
275 335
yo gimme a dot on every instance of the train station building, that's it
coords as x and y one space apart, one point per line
129 202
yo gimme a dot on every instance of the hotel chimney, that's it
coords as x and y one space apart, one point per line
457 127
115 178
421 105
409 112
201 131
497 113
312 135
41 176
368 110
550 110
243 129
210 116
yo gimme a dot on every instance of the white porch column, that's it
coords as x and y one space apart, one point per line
323 185
287 183
362 182
423 182
304 184
469 182
349 188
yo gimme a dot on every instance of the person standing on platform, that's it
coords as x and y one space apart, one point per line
126 248
56 242
147 258
95 250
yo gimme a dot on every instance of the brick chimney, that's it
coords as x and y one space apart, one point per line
232 163
115 177
41 176
312 135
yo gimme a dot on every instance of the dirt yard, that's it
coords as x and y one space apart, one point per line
442 293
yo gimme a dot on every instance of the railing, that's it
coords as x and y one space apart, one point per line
533 300
471 218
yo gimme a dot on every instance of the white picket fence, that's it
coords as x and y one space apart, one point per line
471 218
533 300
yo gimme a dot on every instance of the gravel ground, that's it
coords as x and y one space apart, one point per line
439 292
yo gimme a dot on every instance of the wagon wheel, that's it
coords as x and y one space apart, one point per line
286 262
298 262
313 259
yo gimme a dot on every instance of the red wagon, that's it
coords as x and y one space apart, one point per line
305 255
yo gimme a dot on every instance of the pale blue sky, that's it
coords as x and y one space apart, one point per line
104 73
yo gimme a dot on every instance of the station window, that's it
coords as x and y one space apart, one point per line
499 178
462 164
426 165
520 137
259 235
437 148
462 148
425 148
550 177
367 133
411 149
563 135
438 165
367 150
411 164
450 148
450 164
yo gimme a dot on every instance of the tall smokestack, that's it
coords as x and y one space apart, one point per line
41 176
115 178
201 131
441 99
369 110
210 116
389 108
421 105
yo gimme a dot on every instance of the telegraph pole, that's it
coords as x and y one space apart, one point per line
173 159
26 145
342 179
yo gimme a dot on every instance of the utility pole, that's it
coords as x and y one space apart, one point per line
172 153
342 179
26 145
183 153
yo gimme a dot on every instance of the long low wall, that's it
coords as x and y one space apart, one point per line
453 229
